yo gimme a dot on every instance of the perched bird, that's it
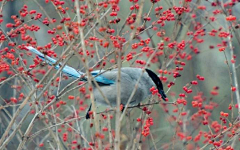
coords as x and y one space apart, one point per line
108 84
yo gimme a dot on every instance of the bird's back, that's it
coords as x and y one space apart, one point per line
129 78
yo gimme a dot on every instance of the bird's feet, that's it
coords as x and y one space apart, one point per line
87 115
89 109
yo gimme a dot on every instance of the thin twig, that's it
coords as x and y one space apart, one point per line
88 72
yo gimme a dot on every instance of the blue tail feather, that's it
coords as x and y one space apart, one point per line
71 72
66 69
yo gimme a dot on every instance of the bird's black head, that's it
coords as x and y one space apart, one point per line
157 82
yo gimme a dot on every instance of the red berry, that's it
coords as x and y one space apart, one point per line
233 88
41 145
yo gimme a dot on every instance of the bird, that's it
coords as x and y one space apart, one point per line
107 81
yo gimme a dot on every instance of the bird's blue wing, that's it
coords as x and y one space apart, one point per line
101 78
67 69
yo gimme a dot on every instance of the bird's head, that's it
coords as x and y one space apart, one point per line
157 82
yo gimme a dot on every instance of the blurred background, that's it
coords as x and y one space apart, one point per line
202 58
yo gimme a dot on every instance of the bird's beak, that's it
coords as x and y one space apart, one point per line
161 92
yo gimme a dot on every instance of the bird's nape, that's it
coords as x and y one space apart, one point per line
157 82
162 93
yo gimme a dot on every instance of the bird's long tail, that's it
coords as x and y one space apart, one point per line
71 72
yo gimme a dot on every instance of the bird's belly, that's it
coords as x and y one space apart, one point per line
111 96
